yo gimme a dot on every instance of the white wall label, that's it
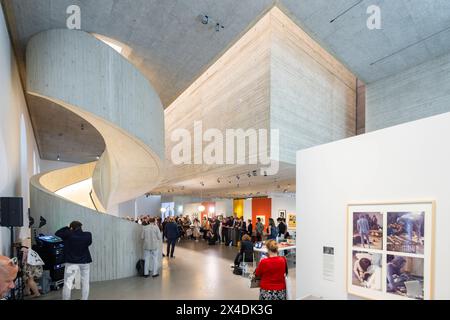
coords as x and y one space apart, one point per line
328 264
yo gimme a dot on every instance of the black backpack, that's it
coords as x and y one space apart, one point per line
140 267
237 271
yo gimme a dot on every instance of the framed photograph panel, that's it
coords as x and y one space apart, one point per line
390 250
292 223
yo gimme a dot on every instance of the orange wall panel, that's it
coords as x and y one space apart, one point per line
261 207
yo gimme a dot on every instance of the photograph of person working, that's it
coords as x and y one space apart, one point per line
404 276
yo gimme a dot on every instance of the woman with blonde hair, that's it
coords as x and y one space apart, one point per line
272 272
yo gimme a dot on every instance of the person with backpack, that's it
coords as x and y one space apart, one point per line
151 235
272 230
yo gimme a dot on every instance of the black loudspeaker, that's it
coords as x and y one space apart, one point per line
11 212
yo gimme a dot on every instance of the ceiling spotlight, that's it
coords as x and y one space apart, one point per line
218 180
254 173
249 175
219 26
205 19
265 173
58 157
285 190
202 183
97 157
237 177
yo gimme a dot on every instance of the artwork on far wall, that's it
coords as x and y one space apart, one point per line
282 214
389 250
263 219
292 223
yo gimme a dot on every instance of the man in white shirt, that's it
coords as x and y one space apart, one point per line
152 241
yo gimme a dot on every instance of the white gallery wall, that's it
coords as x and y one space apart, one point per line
248 210
282 202
19 157
409 162
150 205
224 207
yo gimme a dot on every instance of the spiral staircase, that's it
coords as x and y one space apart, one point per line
87 77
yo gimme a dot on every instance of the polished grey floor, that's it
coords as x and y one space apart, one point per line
198 272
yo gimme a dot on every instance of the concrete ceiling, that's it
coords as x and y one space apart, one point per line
240 181
412 32
172 47
64 134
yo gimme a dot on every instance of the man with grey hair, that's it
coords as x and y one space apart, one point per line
151 236
8 273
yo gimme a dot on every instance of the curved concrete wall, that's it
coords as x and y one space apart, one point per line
116 244
77 68
87 77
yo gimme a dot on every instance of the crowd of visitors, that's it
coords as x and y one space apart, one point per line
217 229
214 230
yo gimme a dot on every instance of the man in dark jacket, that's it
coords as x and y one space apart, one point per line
77 256
172 235
282 228
249 228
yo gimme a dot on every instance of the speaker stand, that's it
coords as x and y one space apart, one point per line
13 293
12 242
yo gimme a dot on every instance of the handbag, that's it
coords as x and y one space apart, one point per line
254 282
